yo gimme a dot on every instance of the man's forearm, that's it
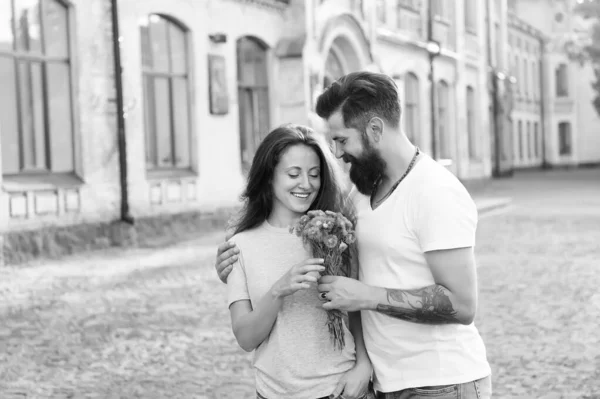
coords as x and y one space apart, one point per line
434 304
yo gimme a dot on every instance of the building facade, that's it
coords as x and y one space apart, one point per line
202 82
554 122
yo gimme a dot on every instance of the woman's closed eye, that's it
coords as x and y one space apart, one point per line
312 176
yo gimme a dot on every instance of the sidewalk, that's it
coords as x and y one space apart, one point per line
487 205
194 250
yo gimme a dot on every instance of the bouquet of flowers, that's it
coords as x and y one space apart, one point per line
328 235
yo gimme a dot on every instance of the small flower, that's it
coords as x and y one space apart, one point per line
312 233
331 241
343 246
350 238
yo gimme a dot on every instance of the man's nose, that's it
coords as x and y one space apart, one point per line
338 152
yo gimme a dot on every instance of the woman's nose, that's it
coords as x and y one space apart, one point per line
305 181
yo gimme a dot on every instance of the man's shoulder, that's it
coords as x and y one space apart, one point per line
434 177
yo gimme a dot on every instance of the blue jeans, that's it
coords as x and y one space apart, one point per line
479 389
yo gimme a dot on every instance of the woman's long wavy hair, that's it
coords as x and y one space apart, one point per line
258 195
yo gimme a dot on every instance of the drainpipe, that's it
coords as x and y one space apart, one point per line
121 140
433 127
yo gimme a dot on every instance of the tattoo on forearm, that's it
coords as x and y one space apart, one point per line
429 305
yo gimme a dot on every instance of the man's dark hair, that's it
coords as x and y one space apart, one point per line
361 96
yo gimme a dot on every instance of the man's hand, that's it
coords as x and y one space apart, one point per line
346 294
226 256
355 383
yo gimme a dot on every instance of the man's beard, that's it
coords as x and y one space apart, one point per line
365 170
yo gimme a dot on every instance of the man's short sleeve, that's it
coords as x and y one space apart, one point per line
237 284
446 218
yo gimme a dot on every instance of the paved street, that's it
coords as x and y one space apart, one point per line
150 323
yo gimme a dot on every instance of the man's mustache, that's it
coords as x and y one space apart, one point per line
348 158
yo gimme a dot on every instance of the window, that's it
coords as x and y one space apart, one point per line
381 11
470 16
564 138
412 4
411 107
439 8
36 104
518 74
562 81
498 47
536 142
471 129
520 139
253 96
165 74
443 121
525 78
535 81
333 67
529 141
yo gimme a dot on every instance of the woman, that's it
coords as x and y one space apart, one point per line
273 301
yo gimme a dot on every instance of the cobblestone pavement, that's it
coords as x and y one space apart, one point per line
154 323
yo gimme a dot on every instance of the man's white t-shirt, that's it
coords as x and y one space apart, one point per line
430 210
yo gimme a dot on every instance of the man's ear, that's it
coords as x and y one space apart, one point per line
375 128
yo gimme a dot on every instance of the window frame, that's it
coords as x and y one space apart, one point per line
412 105
253 89
565 139
443 119
561 77
471 12
156 168
16 56
473 147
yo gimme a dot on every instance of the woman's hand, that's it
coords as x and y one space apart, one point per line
355 383
299 277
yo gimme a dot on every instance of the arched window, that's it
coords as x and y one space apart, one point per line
165 73
333 67
562 81
470 15
411 107
381 11
564 138
471 129
525 78
536 140
36 107
529 141
253 96
443 120
520 138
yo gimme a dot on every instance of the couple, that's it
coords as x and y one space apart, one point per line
411 310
